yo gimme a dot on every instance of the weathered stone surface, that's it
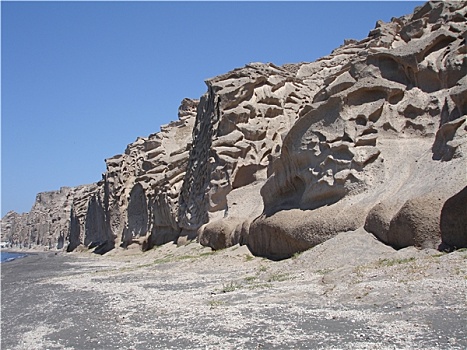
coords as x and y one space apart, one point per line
383 141
283 158
136 199
142 186
453 223
240 126
46 225
222 233
89 224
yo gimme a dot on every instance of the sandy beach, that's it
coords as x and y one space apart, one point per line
189 297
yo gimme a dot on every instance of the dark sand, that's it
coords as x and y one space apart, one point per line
191 298
39 315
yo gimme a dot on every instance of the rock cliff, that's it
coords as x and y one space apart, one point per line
282 158
382 144
46 224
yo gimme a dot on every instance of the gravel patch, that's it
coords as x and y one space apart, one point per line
191 298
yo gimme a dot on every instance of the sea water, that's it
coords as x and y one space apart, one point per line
7 256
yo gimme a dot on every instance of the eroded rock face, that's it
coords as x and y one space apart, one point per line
383 144
453 223
89 224
283 158
136 199
142 186
240 126
47 223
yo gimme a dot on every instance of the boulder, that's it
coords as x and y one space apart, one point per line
453 221
221 234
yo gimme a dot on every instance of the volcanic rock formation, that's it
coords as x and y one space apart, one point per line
47 224
282 158
383 142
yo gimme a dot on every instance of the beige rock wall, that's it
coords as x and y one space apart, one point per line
141 187
240 126
46 225
383 143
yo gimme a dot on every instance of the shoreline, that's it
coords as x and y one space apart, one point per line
189 297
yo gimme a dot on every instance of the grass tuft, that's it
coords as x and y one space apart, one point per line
296 255
250 279
230 287
215 303
248 257
392 262
279 277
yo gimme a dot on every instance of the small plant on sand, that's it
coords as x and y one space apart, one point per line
392 262
173 258
164 260
208 253
248 257
262 268
250 279
258 285
254 283
296 255
279 277
215 303
186 257
230 287
144 265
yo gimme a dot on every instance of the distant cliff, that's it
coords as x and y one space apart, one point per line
282 158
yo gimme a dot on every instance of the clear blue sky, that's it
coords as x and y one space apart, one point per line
81 80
